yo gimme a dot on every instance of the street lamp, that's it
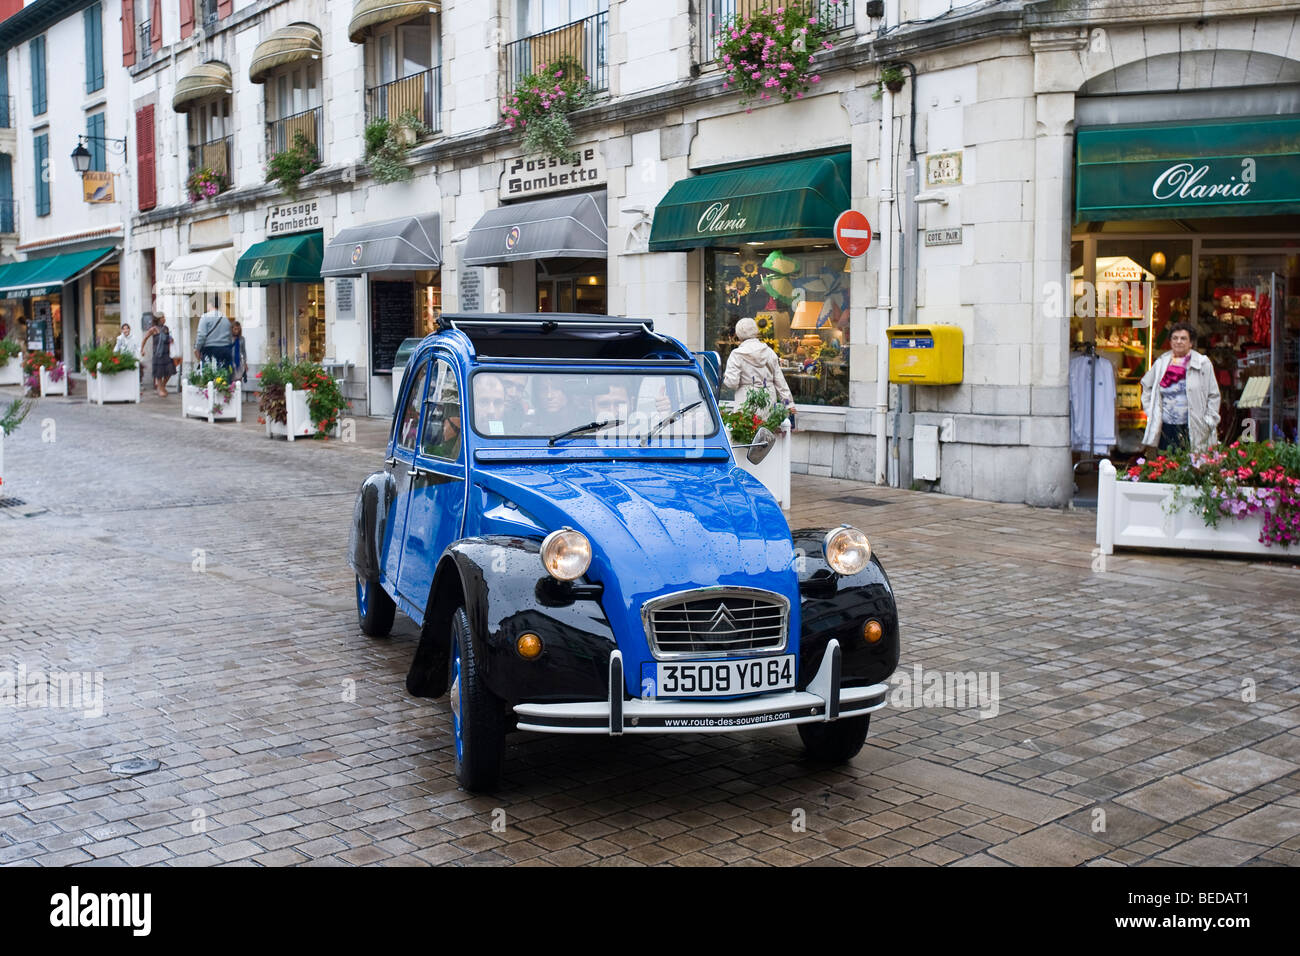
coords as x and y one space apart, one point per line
81 156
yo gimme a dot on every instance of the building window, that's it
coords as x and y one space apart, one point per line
402 72
210 139
36 49
41 150
553 29
93 18
293 105
210 12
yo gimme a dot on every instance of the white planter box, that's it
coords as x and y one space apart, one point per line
774 470
199 401
49 388
2 462
118 387
11 372
298 423
1136 514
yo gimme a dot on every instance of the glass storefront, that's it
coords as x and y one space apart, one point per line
308 311
572 285
106 304
800 299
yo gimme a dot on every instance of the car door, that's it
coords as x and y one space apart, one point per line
436 509
401 459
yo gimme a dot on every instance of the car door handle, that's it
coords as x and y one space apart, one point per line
390 462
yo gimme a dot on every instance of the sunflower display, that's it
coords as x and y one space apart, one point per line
739 286
749 267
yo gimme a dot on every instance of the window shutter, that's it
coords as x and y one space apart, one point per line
146 181
98 147
41 145
155 26
224 7
187 18
128 32
93 22
36 50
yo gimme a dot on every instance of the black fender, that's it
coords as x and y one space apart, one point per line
369 523
505 592
834 605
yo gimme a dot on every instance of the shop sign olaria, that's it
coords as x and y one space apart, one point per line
525 176
718 219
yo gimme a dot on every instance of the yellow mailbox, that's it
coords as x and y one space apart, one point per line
925 354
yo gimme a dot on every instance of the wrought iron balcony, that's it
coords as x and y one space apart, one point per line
280 133
586 41
834 16
216 155
419 93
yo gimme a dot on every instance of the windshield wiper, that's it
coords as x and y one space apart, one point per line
665 422
590 426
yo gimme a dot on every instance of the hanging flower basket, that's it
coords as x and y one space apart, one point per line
540 105
771 52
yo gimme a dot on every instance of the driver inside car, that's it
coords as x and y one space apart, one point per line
489 403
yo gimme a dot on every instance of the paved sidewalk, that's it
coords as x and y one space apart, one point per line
1147 711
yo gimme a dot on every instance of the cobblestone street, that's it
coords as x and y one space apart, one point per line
1146 712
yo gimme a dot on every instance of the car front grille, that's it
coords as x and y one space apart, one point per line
717 622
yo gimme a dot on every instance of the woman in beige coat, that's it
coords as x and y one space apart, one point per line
753 363
1181 396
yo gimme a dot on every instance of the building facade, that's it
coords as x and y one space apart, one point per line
1042 181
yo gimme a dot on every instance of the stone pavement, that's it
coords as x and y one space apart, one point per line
1146 711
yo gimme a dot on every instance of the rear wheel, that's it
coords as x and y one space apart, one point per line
477 715
375 609
836 742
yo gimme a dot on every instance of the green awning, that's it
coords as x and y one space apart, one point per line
284 259
22 280
798 199
1238 167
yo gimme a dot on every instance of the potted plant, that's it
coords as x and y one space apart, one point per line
892 78
743 421
113 375
11 362
387 144
10 419
770 52
45 374
289 166
211 392
1242 499
204 183
299 400
541 103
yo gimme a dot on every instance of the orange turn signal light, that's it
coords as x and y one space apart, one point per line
872 632
529 646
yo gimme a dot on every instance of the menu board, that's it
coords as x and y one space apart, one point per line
392 320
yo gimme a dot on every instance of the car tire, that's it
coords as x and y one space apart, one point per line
478 723
375 609
836 742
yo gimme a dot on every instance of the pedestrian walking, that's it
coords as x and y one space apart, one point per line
125 343
238 352
213 340
1181 396
160 349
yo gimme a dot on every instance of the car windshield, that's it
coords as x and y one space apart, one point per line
546 404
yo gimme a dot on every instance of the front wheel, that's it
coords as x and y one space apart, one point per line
836 742
477 715
375 609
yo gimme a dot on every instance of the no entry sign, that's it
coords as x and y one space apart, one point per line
852 233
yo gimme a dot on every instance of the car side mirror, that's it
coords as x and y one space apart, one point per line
762 444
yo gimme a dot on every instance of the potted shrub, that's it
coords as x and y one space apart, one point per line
540 106
299 400
289 166
743 421
10 419
770 52
892 78
112 376
205 183
387 144
1242 499
45 374
11 362
211 392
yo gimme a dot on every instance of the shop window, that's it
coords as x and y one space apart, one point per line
309 321
106 301
572 285
800 300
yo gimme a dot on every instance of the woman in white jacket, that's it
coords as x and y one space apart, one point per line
753 363
1181 396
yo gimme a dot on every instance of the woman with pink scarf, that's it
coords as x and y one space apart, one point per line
1181 396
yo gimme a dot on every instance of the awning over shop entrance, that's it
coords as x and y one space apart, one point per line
1239 167
565 227
397 245
797 199
22 280
212 270
284 259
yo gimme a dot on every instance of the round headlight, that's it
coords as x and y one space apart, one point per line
566 554
847 550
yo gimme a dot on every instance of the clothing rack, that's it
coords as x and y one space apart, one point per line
1090 455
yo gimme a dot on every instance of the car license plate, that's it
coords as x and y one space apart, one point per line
724 678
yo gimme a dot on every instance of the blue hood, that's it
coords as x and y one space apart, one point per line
656 528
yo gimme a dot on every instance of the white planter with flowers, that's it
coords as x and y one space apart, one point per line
774 470
206 401
11 370
1142 514
49 386
103 387
298 423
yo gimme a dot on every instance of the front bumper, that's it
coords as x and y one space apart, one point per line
823 700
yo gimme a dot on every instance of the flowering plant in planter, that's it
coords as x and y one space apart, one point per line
770 52
540 106
755 412
325 400
289 166
222 380
1243 479
9 349
204 183
32 365
112 361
